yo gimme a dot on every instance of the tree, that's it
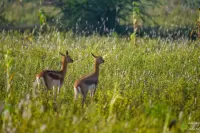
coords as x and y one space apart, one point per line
2 8
100 15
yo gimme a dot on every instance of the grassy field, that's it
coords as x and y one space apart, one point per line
141 88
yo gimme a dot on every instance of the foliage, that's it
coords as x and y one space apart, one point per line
102 16
136 17
196 28
42 17
190 3
167 15
3 4
140 89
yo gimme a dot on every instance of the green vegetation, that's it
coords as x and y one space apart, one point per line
146 85
141 89
166 14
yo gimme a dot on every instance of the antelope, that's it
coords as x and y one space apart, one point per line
88 82
52 78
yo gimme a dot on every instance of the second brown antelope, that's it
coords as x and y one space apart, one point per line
88 82
52 78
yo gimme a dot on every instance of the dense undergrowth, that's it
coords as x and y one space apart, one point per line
142 88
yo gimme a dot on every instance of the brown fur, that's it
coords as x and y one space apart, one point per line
86 81
50 75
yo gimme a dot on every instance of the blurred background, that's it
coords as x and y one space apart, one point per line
102 16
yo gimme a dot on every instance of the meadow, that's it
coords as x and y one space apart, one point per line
142 88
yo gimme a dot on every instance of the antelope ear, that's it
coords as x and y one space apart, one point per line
93 55
66 52
61 54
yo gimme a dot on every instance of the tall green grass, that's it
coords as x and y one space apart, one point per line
141 89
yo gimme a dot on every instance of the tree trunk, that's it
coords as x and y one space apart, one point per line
110 20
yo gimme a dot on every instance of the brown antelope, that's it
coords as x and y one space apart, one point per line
88 82
52 78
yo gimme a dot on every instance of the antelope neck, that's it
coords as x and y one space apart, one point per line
96 68
64 67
